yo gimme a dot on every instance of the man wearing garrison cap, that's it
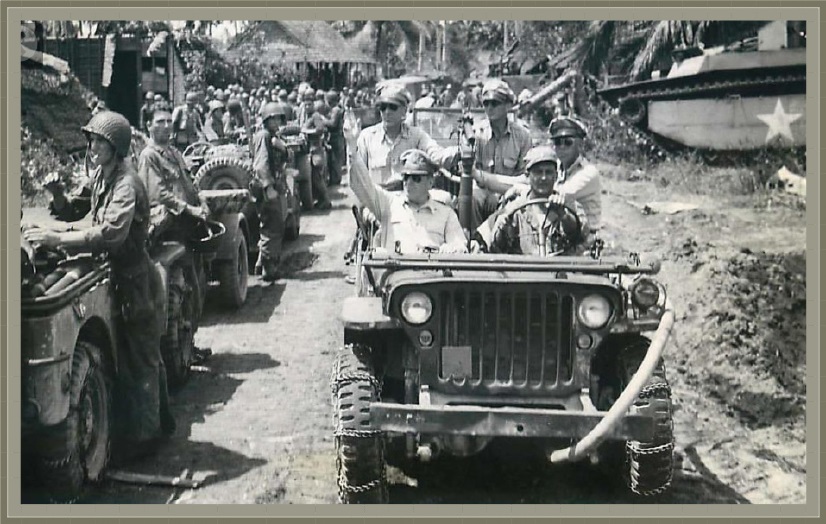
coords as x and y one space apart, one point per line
501 146
410 221
380 146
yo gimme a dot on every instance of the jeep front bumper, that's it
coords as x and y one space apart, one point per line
502 422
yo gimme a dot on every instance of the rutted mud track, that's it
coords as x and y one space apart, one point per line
255 424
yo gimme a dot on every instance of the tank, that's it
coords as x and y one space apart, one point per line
736 98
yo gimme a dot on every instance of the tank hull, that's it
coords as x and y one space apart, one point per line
732 123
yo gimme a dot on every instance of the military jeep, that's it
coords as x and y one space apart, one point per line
444 353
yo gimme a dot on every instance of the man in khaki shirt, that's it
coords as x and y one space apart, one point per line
501 146
411 221
380 146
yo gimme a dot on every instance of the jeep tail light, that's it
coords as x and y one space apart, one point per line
594 311
645 293
417 308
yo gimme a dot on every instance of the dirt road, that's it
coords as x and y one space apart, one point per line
255 424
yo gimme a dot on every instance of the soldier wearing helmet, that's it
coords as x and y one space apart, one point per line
501 146
236 119
214 124
307 105
269 189
380 146
555 222
147 108
186 121
579 179
338 145
411 219
117 200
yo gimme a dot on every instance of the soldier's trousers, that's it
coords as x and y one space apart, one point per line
272 215
142 404
338 152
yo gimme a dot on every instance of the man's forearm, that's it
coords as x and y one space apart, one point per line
498 183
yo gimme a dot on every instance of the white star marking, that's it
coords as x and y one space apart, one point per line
779 122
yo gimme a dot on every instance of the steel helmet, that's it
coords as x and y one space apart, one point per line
192 96
150 95
219 94
114 127
332 96
272 109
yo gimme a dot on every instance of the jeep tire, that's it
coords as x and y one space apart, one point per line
224 173
178 341
233 274
649 465
77 449
360 463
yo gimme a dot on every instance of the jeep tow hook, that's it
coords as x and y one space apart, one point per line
631 392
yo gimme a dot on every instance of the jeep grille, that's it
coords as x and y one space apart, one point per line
520 339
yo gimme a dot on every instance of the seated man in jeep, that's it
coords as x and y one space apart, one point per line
524 225
410 221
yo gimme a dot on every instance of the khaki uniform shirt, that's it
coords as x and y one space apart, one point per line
415 228
582 181
163 172
382 156
504 155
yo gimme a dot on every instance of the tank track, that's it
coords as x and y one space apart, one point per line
723 85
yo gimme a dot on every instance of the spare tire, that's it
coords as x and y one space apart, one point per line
224 173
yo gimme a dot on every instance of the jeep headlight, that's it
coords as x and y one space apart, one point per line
594 311
417 308
645 293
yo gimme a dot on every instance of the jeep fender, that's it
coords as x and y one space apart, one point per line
366 314
628 396
235 224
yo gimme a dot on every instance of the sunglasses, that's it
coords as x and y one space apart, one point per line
415 178
567 142
491 103
385 107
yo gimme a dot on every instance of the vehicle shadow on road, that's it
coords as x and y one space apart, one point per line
262 300
497 476
206 393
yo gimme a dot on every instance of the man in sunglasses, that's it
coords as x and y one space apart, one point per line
579 179
410 221
380 146
501 146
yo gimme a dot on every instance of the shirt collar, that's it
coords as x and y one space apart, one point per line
427 205
405 132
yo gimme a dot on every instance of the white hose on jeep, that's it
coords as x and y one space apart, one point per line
628 396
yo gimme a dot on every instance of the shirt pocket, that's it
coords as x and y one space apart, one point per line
510 163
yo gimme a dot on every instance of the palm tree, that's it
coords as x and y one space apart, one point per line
637 47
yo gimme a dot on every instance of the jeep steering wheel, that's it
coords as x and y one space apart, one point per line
563 241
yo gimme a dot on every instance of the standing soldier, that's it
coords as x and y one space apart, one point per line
269 190
501 146
214 124
187 122
284 101
146 111
119 206
338 148
381 146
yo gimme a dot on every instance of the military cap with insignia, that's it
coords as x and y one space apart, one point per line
567 126
416 162
497 90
